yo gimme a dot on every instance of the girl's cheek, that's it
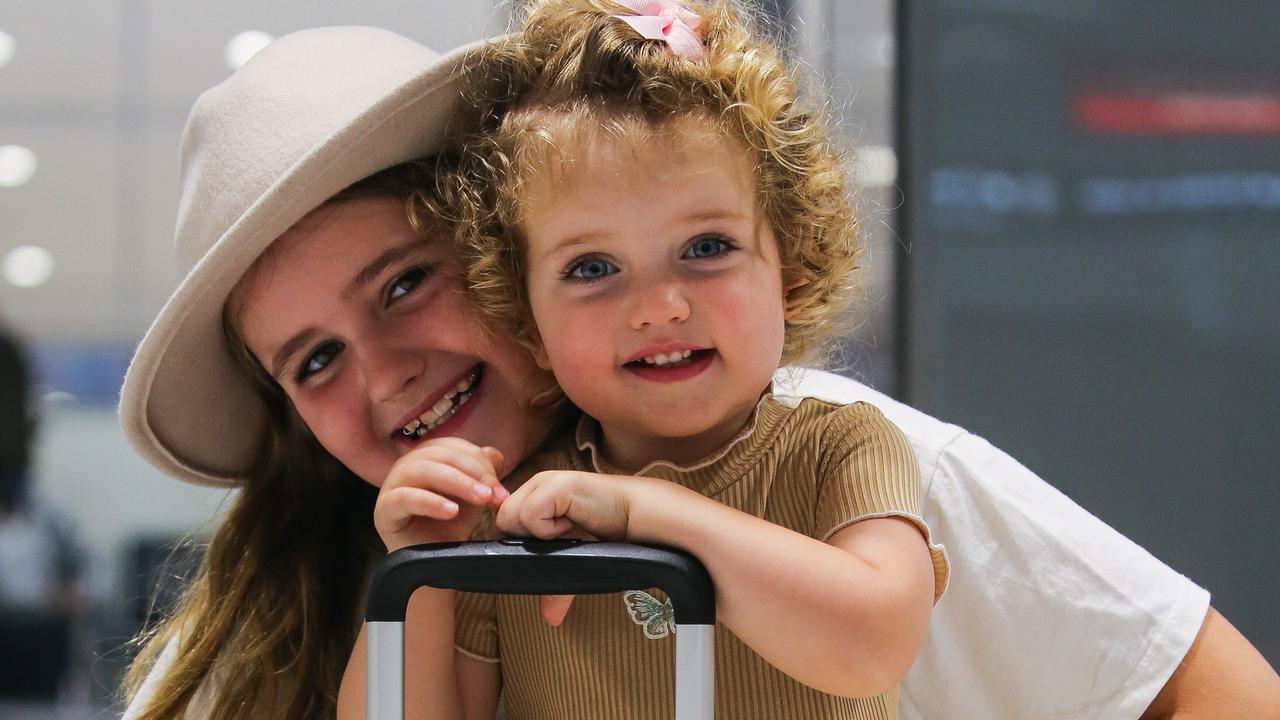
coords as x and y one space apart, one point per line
330 411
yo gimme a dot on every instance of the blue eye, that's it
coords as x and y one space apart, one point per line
590 268
407 282
707 246
317 361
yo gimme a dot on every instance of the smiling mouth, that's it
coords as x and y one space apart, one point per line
445 407
669 360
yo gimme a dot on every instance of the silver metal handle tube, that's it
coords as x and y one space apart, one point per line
384 671
695 672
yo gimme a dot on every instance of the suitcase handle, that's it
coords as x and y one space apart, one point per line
542 567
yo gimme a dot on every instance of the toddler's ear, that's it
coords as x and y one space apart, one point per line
540 353
793 281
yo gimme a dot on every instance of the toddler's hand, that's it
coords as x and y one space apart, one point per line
551 504
437 493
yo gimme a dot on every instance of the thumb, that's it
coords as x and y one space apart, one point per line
494 456
555 608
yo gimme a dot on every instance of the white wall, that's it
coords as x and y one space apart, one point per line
85 465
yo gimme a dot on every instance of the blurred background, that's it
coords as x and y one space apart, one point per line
1072 211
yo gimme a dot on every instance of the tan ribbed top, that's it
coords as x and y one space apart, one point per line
814 469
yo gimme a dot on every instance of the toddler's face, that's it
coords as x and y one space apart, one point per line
657 292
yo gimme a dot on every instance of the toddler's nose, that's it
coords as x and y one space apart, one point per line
659 304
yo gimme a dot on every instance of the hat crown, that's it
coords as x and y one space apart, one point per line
292 97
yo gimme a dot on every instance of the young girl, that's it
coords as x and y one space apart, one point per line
662 219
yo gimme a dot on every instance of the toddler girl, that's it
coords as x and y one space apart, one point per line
662 219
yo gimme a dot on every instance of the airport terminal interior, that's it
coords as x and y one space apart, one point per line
1071 212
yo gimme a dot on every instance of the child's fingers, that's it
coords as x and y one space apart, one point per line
516 522
524 514
551 528
482 461
400 506
545 511
500 494
464 455
495 459
468 476
442 478
555 608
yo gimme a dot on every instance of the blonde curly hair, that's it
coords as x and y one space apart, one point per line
575 73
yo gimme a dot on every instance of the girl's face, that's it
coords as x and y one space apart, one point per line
657 292
363 324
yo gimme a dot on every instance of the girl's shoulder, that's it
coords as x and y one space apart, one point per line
837 429
829 416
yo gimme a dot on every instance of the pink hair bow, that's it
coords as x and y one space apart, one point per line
666 20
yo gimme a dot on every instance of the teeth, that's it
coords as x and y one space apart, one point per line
443 409
444 403
666 359
424 429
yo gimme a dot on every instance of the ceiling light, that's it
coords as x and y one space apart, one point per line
17 165
28 266
876 166
243 46
7 48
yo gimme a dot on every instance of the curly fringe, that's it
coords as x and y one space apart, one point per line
573 74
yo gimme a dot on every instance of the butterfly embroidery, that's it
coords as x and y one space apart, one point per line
655 616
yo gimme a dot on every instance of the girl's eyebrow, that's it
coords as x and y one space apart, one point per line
715 214
379 264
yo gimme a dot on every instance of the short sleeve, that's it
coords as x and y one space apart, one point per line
1042 584
869 470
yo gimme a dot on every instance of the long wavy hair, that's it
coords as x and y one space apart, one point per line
268 623
575 73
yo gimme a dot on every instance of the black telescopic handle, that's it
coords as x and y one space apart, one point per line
542 567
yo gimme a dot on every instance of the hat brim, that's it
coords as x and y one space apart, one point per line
186 405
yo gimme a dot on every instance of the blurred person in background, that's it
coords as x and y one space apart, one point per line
41 561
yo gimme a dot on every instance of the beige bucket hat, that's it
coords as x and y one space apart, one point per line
308 116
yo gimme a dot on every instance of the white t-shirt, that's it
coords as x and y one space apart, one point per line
1050 613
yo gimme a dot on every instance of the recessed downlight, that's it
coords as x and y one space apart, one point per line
17 165
28 266
8 46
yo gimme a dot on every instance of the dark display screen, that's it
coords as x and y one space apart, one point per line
1092 279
